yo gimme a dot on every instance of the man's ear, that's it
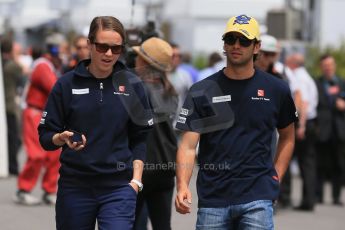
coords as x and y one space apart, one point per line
257 47
89 43
224 52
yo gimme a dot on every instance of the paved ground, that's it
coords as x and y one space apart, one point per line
14 217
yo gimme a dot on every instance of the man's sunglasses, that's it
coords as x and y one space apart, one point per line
269 54
231 40
103 48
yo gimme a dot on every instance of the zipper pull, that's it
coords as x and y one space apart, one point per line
101 89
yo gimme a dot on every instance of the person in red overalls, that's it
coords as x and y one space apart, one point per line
42 80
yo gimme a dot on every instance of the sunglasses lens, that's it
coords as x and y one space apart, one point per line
269 54
103 48
231 40
245 42
116 49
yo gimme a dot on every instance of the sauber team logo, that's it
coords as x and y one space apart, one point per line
260 96
261 93
122 88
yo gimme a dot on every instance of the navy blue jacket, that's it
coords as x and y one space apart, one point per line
113 113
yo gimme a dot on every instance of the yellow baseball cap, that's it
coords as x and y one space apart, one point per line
245 25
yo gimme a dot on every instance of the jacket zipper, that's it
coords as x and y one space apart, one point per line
101 89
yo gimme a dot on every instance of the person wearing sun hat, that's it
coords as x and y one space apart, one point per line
152 63
156 52
233 113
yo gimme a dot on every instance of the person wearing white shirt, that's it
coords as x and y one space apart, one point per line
305 132
180 79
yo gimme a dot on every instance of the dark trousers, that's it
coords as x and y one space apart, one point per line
79 206
330 165
306 157
158 199
13 141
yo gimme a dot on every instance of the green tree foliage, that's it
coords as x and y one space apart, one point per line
200 61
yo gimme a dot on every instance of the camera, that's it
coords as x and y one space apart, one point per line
136 36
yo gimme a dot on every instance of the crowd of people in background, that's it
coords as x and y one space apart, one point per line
320 102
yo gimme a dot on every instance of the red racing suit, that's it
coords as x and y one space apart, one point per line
42 80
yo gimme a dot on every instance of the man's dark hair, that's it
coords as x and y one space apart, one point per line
325 56
174 45
6 45
77 38
36 52
255 56
214 58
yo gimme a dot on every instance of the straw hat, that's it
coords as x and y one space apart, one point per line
157 52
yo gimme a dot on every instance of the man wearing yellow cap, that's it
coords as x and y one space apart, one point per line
232 114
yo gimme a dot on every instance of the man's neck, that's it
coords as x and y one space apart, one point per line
239 72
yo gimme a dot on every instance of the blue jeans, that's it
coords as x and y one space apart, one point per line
78 207
256 215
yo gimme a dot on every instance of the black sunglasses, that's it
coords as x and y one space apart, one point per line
268 54
231 40
103 48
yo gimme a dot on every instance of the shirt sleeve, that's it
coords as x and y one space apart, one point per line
140 123
287 112
187 115
52 119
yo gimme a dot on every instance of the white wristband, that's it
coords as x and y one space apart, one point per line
140 185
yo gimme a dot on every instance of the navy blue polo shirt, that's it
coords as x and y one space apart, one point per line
236 120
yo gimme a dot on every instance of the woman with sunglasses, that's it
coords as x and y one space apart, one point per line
100 115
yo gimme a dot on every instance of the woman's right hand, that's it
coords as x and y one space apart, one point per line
64 137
